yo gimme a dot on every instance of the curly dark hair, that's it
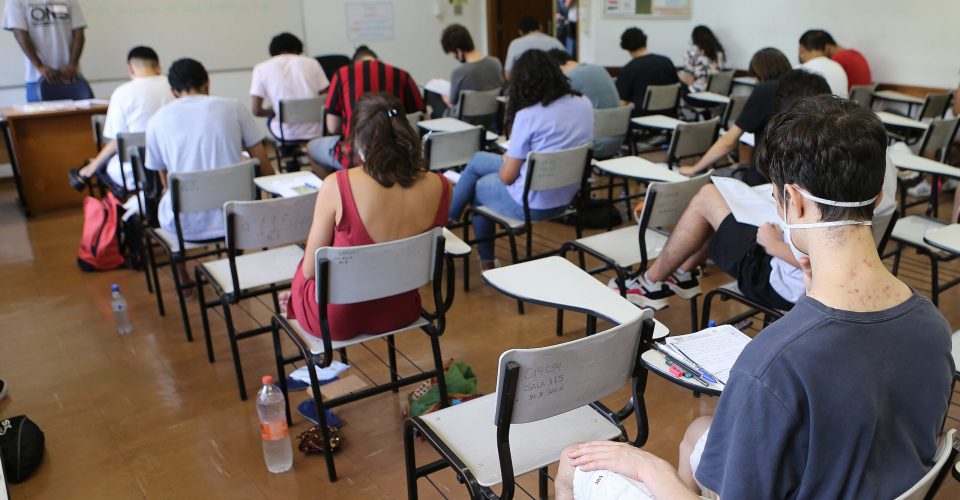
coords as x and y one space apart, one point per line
384 142
535 79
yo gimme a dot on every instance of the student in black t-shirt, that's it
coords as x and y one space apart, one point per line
645 69
767 65
843 397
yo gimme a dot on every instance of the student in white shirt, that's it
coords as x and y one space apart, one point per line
813 57
287 75
131 106
198 132
50 34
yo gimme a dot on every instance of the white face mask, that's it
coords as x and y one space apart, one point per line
797 253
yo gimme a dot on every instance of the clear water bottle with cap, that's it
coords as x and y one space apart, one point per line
120 314
277 452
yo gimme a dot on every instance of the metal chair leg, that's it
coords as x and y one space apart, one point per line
514 257
321 418
183 301
441 377
198 279
392 357
544 476
281 368
234 348
410 460
152 261
935 280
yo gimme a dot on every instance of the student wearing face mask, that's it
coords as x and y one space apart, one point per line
477 71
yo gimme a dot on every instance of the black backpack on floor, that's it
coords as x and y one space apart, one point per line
21 447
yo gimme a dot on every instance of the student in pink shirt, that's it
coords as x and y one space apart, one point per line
287 75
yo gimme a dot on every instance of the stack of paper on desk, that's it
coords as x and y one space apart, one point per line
714 349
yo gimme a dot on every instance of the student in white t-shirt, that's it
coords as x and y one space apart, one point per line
131 106
287 75
198 132
50 34
813 57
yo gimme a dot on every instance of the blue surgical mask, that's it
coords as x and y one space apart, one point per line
797 253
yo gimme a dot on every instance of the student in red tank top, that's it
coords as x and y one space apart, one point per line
388 196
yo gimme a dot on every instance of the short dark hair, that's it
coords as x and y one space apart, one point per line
364 51
559 56
797 84
456 37
769 64
815 40
285 43
831 147
633 39
529 24
391 148
187 74
145 54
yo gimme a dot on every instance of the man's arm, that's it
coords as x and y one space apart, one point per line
510 169
26 45
770 237
624 459
100 161
334 123
258 109
258 152
69 72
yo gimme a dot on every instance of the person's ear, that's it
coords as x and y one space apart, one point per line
793 204
130 70
176 93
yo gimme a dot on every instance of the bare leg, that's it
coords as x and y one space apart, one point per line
696 259
563 484
694 230
690 438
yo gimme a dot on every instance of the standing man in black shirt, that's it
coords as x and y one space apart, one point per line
645 69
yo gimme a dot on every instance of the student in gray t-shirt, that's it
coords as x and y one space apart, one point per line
530 38
50 34
595 84
846 395
478 71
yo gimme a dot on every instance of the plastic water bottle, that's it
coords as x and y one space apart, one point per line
120 314
711 323
277 452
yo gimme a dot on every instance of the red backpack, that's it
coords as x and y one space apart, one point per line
100 244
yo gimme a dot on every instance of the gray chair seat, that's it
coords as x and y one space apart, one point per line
621 245
469 430
257 269
170 241
315 344
515 224
911 230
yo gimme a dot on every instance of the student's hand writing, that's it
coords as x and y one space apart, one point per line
769 234
622 458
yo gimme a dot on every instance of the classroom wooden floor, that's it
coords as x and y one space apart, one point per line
147 416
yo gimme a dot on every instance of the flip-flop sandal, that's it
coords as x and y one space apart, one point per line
308 410
3 389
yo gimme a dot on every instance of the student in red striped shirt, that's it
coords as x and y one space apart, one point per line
348 85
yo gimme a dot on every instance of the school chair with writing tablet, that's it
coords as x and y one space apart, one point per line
446 150
547 398
275 227
192 192
935 143
296 112
480 107
544 171
863 94
350 275
720 83
628 251
934 107
692 139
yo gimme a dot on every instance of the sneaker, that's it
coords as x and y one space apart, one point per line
921 190
685 285
645 293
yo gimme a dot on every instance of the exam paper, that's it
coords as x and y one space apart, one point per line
714 349
438 86
754 206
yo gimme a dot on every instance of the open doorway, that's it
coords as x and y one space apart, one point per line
503 19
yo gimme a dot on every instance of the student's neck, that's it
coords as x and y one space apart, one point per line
146 72
473 56
850 276
569 66
814 55
191 93
534 32
639 52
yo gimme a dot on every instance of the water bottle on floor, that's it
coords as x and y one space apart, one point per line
120 314
277 452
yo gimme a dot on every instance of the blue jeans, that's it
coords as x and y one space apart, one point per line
322 150
33 91
480 184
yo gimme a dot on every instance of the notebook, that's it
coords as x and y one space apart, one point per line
749 205
715 349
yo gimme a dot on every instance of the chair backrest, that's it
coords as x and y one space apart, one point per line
370 272
75 90
297 111
935 105
938 137
252 225
666 201
543 382
732 111
478 103
943 460
720 82
692 139
127 140
661 97
211 189
415 118
331 63
556 169
97 122
863 94
151 188
611 122
443 150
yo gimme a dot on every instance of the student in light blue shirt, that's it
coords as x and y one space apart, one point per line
545 115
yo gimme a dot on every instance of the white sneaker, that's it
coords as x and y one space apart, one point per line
644 293
921 190
685 285
950 185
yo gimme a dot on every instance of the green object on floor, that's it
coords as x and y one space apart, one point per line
461 381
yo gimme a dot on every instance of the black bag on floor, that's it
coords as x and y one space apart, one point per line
596 214
21 446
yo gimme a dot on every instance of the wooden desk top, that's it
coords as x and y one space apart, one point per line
53 108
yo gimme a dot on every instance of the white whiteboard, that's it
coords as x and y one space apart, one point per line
222 34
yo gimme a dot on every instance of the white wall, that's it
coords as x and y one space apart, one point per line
912 43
